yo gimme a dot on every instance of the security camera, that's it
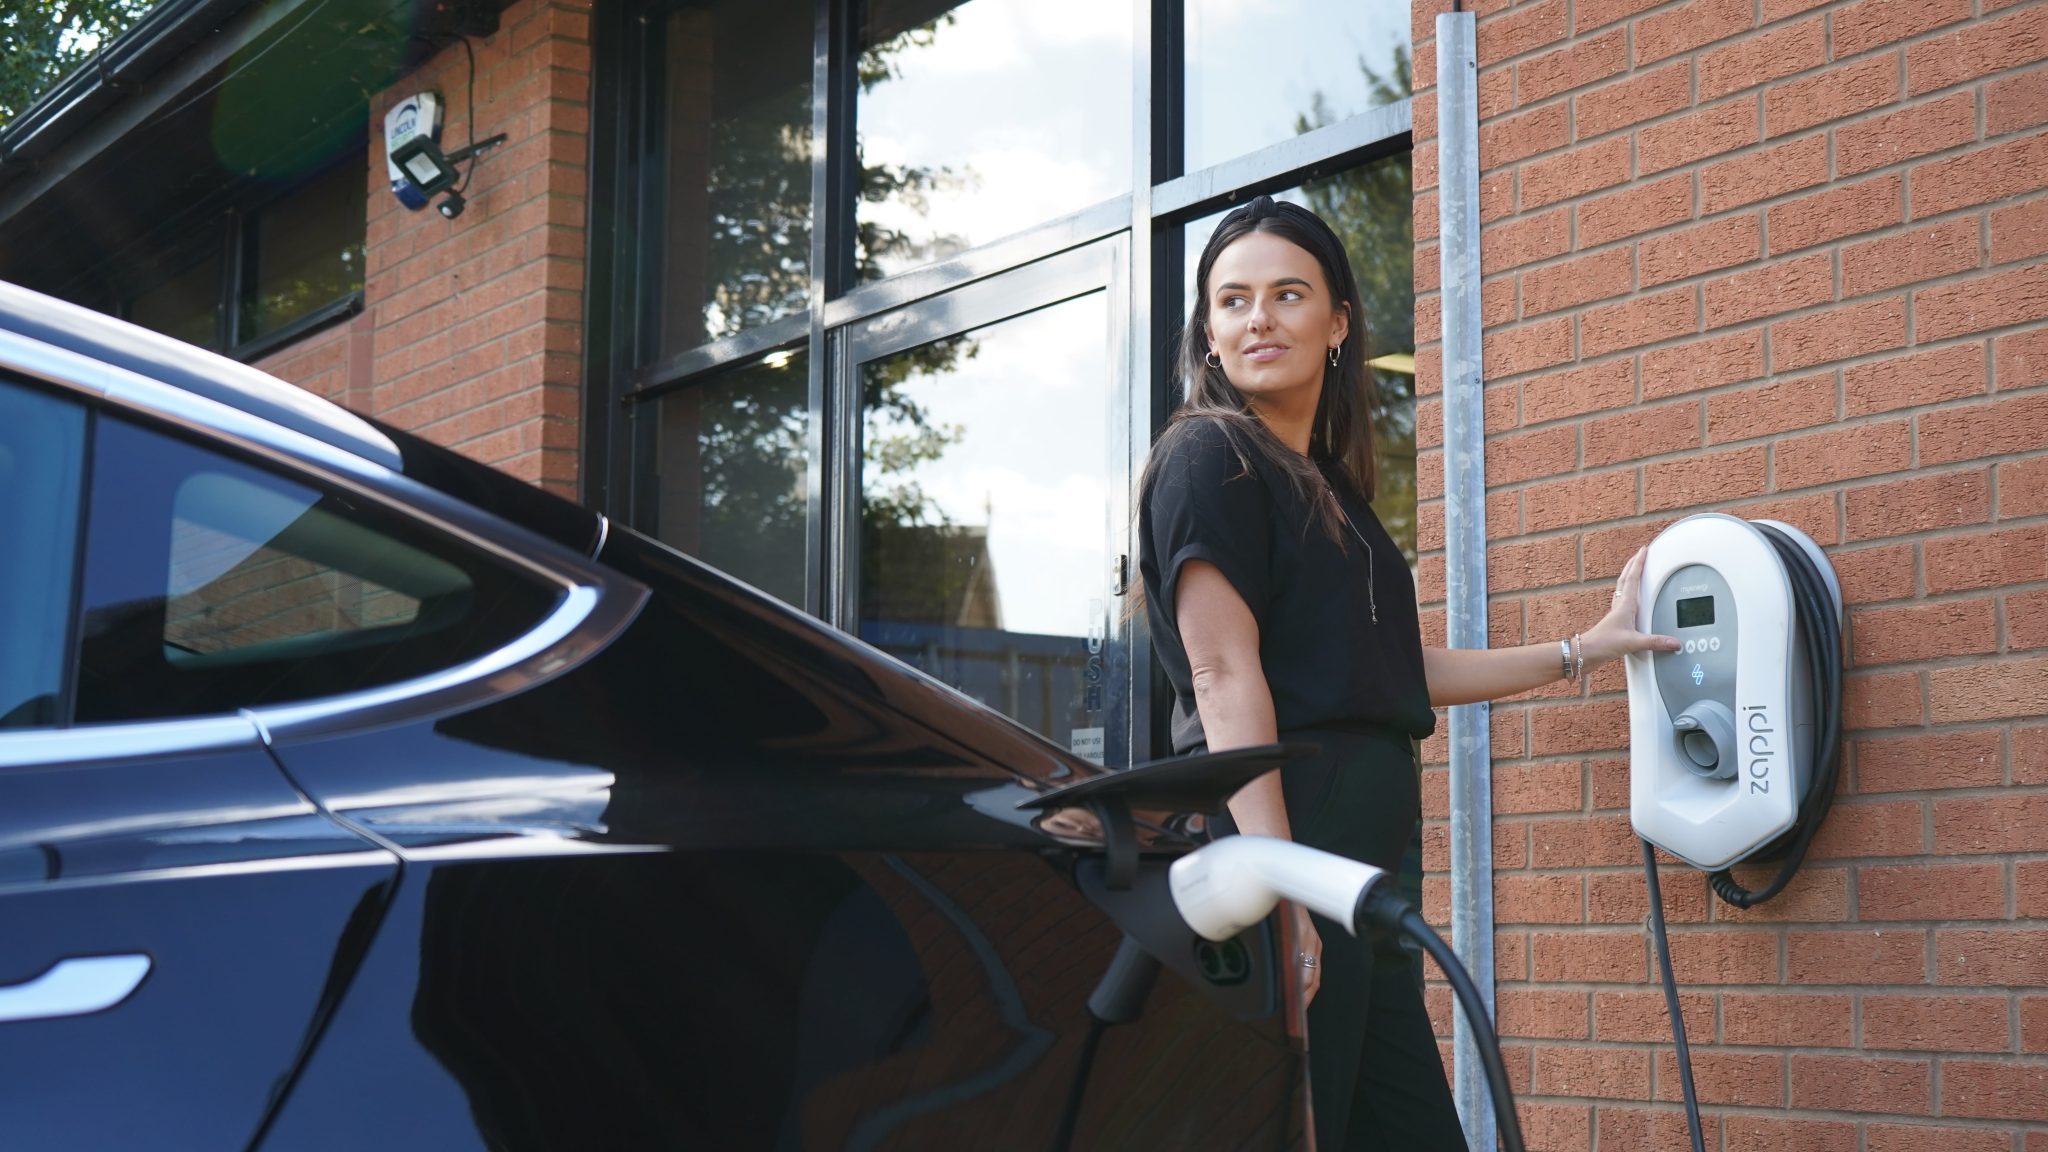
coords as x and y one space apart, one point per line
452 206
1229 885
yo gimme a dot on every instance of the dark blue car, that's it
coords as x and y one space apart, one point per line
356 796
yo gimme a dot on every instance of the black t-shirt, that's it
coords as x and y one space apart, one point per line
1327 663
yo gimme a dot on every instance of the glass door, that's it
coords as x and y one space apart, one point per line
987 464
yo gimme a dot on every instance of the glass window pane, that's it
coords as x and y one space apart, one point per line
979 120
1314 63
211 585
307 252
42 444
985 513
183 305
737 212
1370 209
729 483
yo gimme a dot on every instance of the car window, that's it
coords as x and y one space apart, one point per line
212 584
42 446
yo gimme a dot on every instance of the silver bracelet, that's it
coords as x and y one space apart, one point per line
1578 659
1564 656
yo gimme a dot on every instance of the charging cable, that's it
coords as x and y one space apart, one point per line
1227 886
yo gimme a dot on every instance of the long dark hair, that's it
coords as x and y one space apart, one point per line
1342 433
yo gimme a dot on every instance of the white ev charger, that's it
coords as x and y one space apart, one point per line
1721 732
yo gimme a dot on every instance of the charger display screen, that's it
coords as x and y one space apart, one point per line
1696 612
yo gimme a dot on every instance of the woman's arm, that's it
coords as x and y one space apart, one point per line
1231 695
1469 675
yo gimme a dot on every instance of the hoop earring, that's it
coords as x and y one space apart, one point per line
1335 353
1212 361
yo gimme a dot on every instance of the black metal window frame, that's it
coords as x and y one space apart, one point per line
234 239
622 372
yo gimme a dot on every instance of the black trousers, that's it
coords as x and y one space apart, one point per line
1376 1080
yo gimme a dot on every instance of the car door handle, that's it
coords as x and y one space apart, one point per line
74 987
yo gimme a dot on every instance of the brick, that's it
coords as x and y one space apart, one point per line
1584 841
1987 559
2030 758
2018 296
2034 1023
1933 1138
1587 168
1608 549
1581 280
1838 334
1590 956
1525 134
1632 100
1967 825
1702 248
1645 319
1636 210
1551 1125
1995 1089
1857 956
1861 1084
1993 957
1768 409
2015 424
2019 231
1589 14
1813 514
1923 631
1892 828
1584 727
2026 620
1589 499
1800 282
1542 1013
1874 575
1524 28
1979 49
1937 760
1755 60
1931 377
1931 892
2008 689
2002 171
2022 488
1623 898
1780 1020
1641 1018
1874 23
1842 210
1764 174
1909 133
2015 103
1522 898
1832 94
1575 65
1709 363
1815 896
1613 1073
1743 1079
1527 347
1688 26
1839 454
1919 504
1695 136
1641 432
1524 788
1720 956
1531 564
1935 1023
1700 480
1578 391
1529 455
1752 1133
1617 1127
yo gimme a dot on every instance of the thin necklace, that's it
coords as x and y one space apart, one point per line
1370 600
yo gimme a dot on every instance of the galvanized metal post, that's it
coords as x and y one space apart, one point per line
1471 790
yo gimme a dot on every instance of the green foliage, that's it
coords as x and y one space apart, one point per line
43 40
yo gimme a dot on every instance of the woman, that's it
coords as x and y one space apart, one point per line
1281 611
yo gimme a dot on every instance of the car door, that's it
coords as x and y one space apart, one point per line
178 918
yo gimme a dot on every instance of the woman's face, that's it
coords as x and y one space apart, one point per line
1272 318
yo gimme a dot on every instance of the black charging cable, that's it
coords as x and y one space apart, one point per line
1383 906
1813 608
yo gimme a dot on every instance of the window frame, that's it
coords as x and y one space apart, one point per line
621 375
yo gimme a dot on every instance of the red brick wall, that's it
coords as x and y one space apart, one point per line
1778 258
476 323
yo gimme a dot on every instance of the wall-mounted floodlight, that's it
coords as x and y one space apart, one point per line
420 160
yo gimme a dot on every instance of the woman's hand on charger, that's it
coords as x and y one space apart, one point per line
1615 635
